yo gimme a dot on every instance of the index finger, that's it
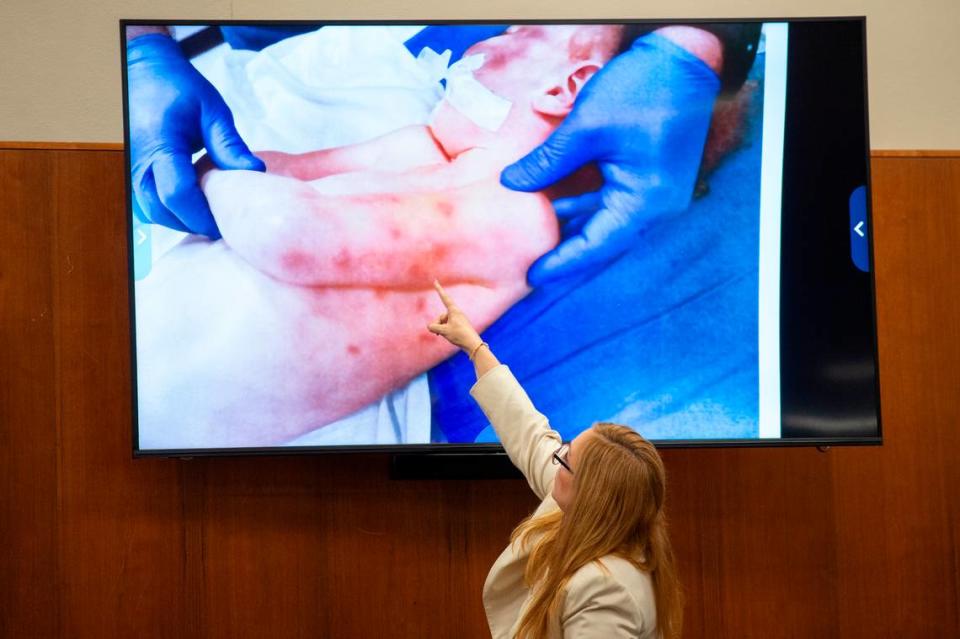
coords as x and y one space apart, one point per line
446 299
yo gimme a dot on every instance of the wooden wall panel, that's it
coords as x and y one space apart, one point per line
121 533
750 527
367 555
29 575
852 542
119 525
898 507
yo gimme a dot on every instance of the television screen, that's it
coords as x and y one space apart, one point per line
662 224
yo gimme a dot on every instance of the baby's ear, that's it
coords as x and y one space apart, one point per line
557 101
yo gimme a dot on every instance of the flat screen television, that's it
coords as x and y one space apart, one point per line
693 259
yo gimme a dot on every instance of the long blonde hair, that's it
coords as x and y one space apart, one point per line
618 508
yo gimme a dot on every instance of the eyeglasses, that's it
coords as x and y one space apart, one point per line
560 457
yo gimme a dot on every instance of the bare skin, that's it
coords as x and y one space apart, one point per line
458 330
322 282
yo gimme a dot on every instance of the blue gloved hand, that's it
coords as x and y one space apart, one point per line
174 112
259 37
643 118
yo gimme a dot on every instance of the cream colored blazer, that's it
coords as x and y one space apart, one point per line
616 602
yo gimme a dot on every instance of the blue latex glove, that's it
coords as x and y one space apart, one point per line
174 112
643 119
259 37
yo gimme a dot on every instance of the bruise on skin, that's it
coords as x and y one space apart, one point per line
445 208
426 267
378 199
419 270
342 259
295 261
495 60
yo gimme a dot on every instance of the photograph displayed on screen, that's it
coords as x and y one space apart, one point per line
294 312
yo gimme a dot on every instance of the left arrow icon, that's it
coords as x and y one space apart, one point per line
858 229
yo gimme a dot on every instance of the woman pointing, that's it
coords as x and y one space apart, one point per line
594 559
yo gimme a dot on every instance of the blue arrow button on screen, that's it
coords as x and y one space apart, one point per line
859 240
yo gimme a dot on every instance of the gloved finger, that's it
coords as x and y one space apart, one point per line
151 207
575 225
600 241
257 38
223 142
558 263
565 151
575 205
178 190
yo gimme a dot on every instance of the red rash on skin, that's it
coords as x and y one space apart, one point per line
353 349
295 261
425 268
502 49
445 209
495 63
342 259
381 198
421 305
418 271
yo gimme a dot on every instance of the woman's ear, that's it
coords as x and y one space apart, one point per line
557 101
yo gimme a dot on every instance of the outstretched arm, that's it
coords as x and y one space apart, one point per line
525 433
398 150
349 333
479 233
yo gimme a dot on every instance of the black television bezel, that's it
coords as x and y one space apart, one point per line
431 463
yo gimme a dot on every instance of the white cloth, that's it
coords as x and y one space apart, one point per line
334 86
402 417
327 88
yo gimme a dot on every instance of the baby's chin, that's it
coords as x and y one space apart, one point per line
455 132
